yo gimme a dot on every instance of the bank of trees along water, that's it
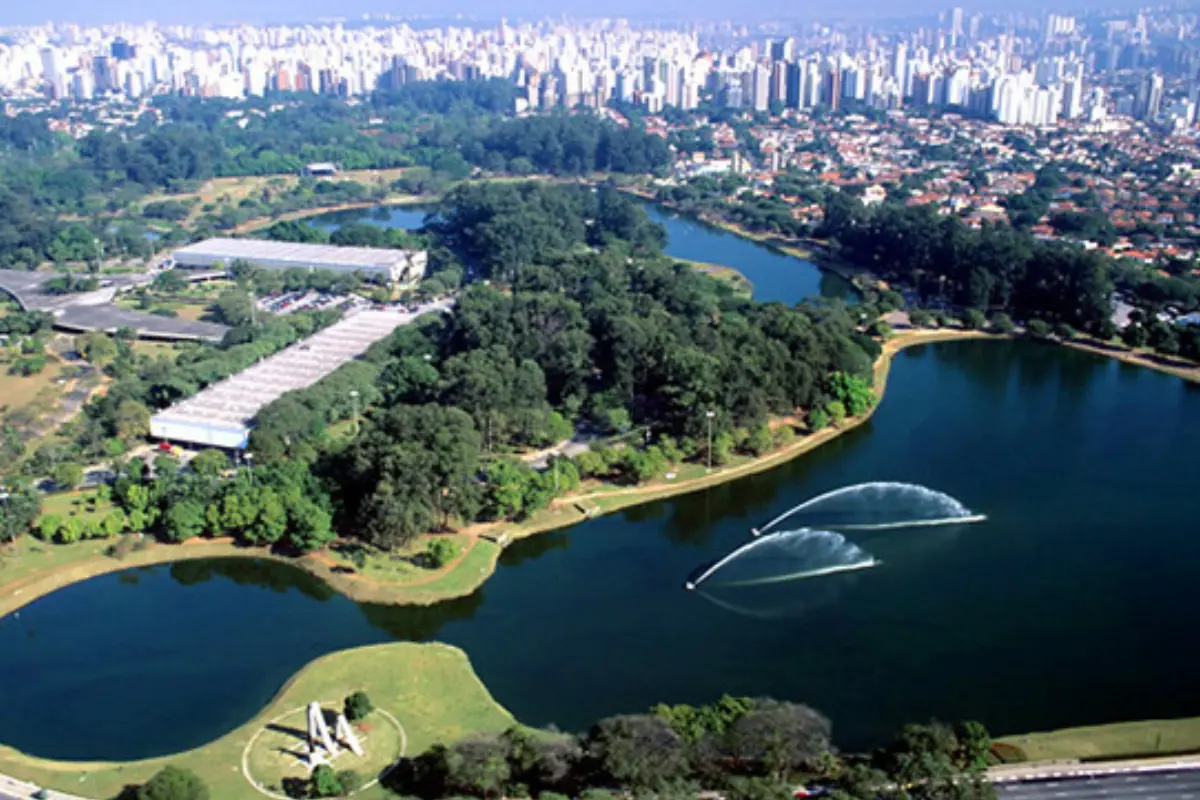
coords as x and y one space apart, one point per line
585 326
1003 269
743 748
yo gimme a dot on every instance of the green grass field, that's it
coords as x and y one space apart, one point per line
430 689
1118 740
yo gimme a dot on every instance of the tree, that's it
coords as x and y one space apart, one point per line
357 706
818 419
132 420
67 475
760 441
836 411
184 520
1039 329
639 752
920 318
48 527
781 737
210 463
325 782
973 319
478 765
20 506
1002 323
440 552
173 783
97 347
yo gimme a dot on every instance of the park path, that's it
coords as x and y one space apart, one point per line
13 789
1041 770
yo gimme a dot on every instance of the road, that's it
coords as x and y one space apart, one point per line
1166 784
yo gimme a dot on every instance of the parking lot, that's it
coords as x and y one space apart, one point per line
312 300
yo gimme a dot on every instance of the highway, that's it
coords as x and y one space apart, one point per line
1166 784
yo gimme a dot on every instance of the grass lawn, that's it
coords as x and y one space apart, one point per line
17 391
1119 740
279 751
82 504
430 689
727 275
384 579
152 349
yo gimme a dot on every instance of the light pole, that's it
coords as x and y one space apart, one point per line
710 415
354 400
250 467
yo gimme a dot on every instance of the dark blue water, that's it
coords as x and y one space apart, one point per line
1074 603
775 276
406 217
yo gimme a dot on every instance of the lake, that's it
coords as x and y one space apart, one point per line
775 276
1074 603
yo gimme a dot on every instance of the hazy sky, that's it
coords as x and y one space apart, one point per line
24 12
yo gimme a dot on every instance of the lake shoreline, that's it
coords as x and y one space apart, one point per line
490 538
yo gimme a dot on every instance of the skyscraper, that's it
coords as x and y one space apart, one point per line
1149 97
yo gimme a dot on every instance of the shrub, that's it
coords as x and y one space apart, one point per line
357 706
325 782
818 419
1064 331
837 411
440 553
920 318
1002 323
1039 328
973 319
881 329
173 783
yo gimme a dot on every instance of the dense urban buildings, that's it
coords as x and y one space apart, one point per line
1016 69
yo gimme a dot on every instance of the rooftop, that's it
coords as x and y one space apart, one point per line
235 401
303 255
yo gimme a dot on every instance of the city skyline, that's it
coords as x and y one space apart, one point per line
222 12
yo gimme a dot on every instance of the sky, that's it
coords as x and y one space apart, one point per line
28 12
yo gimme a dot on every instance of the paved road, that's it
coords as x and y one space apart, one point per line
1167 784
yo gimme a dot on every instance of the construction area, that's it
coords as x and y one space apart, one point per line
390 266
222 415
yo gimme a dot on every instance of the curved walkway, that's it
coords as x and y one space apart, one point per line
13 789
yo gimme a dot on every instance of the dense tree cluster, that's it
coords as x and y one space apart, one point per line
447 126
591 328
281 505
996 267
740 747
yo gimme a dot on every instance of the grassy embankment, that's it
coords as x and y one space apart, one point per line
1118 740
429 688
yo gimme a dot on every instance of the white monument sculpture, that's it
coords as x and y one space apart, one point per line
318 737
345 735
321 746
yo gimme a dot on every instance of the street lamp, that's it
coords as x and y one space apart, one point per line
250 467
710 415
354 400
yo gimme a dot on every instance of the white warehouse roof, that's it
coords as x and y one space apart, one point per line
396 264
221 415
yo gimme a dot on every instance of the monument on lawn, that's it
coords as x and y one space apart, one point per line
345 734
318 737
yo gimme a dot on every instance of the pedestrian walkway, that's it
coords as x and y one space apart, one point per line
1044 770
12 789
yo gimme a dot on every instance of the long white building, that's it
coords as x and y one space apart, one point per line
393 266
223 414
